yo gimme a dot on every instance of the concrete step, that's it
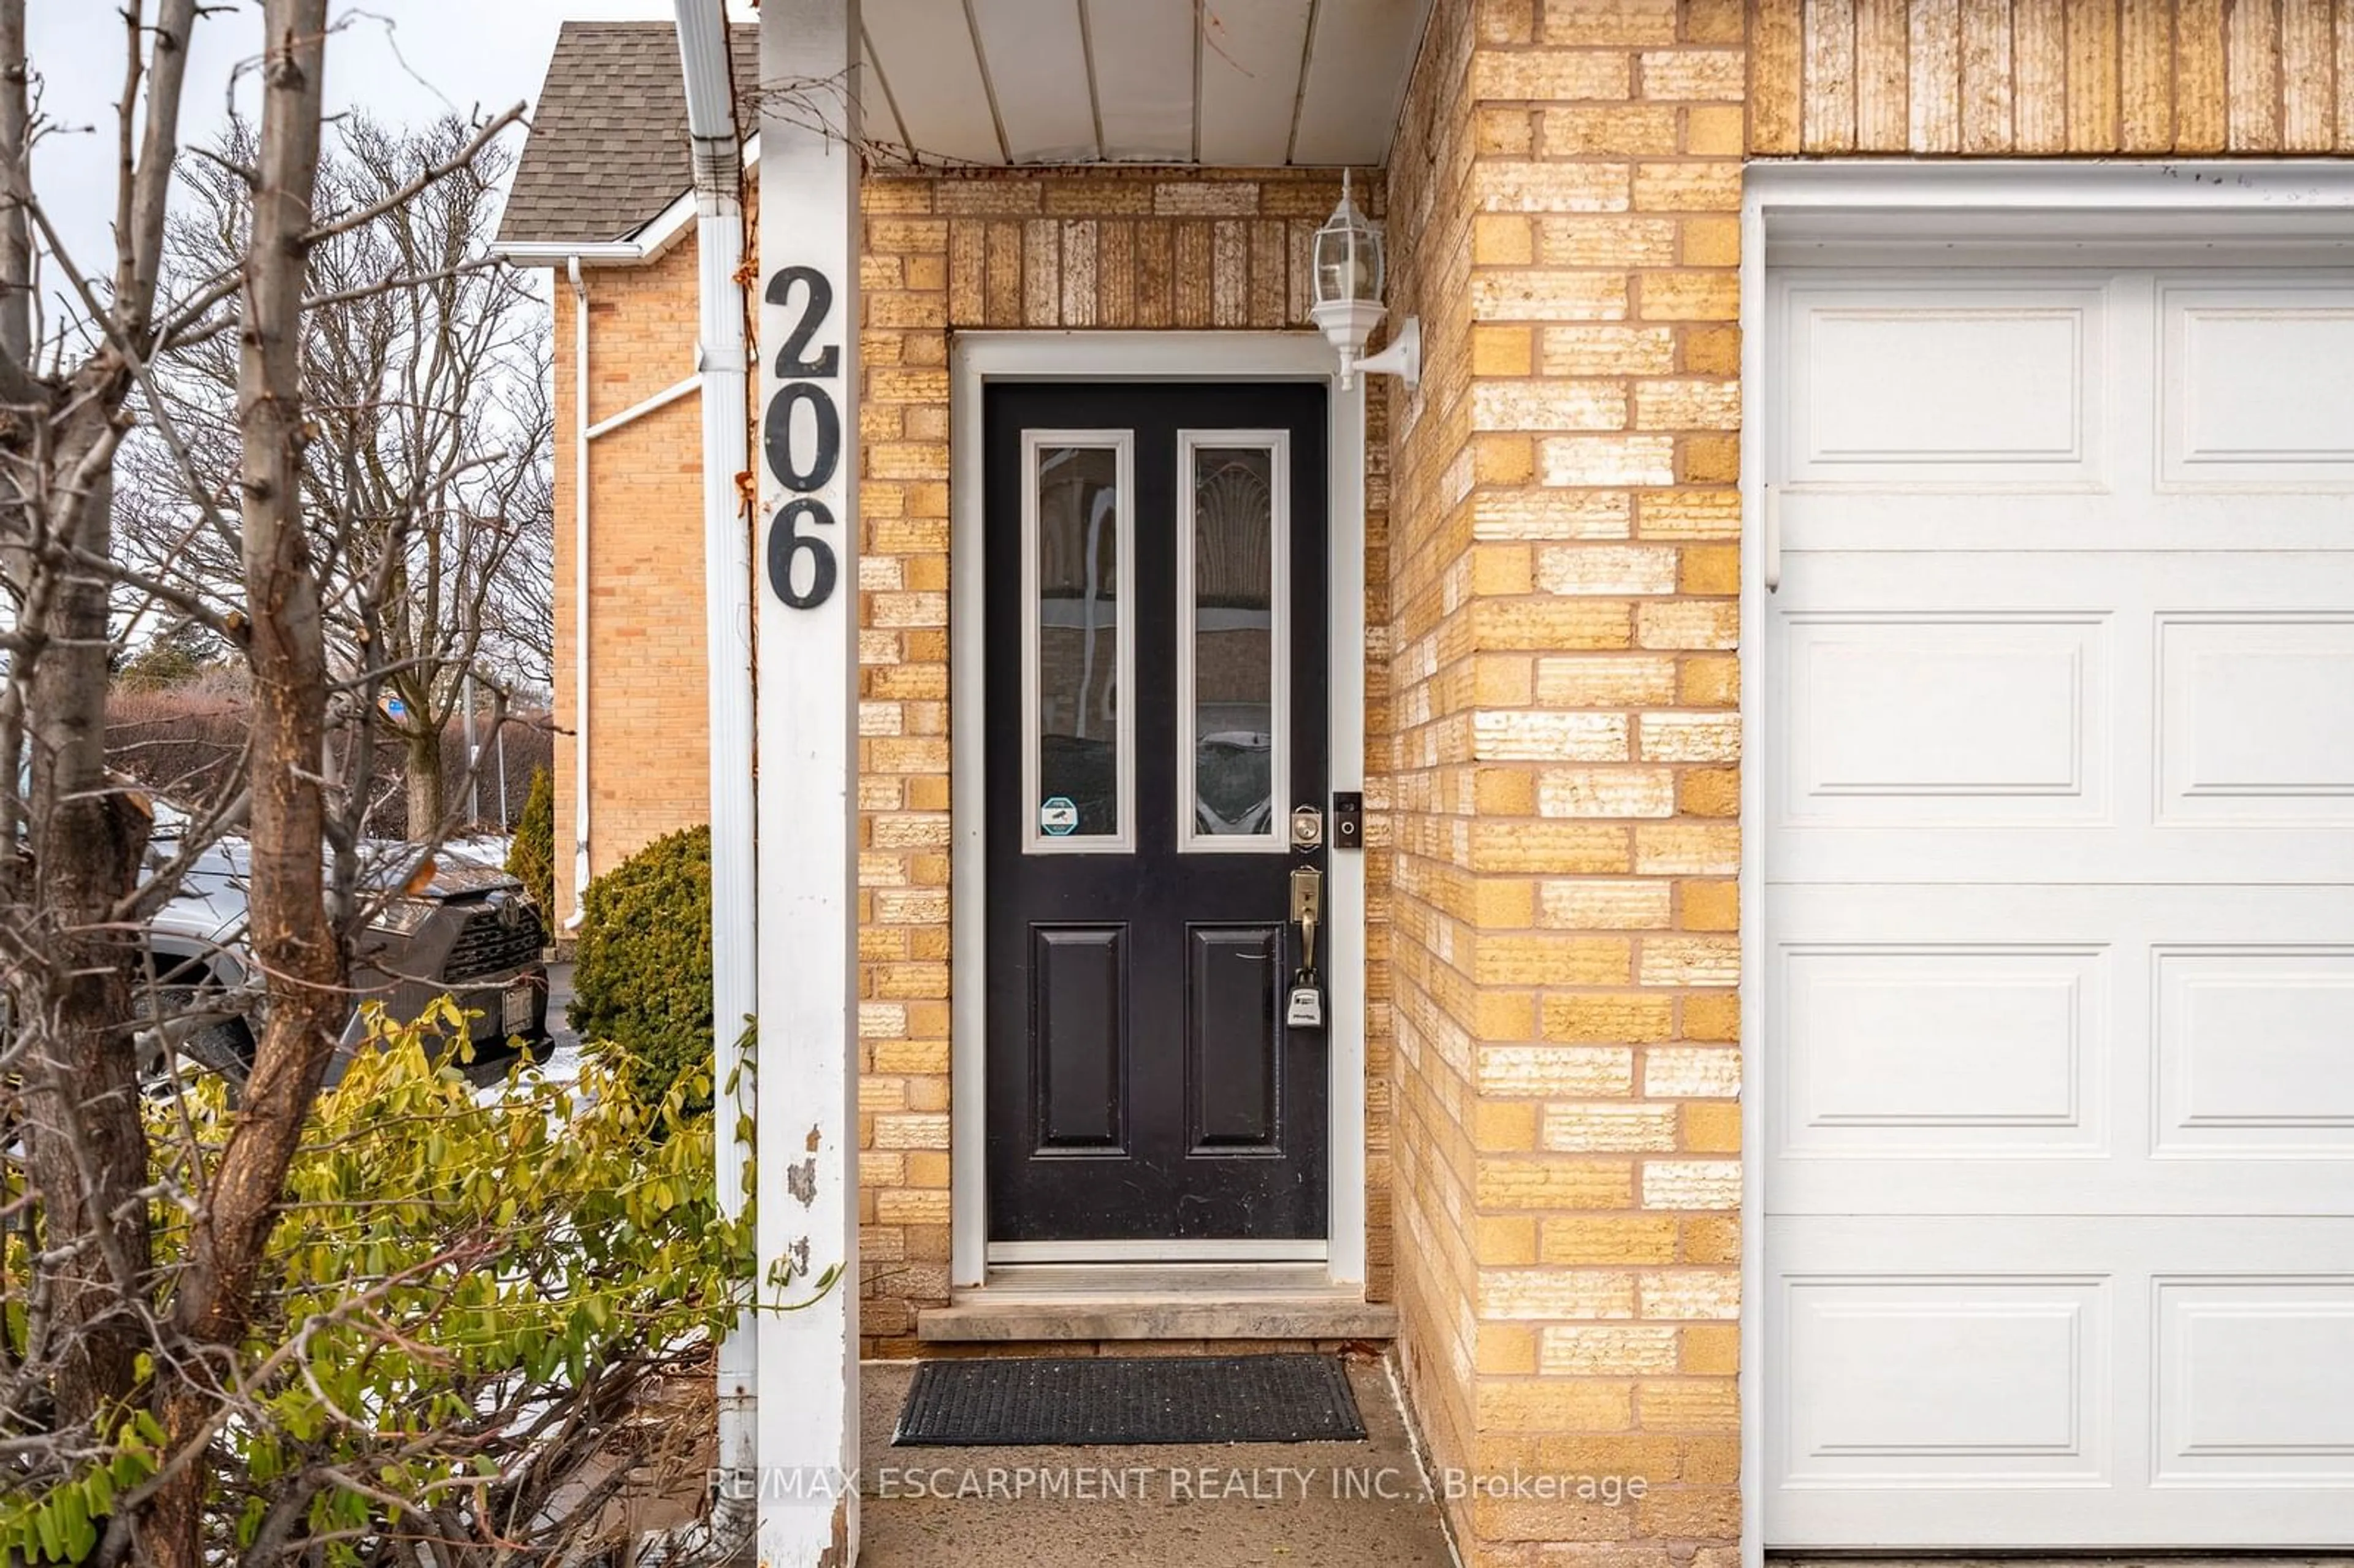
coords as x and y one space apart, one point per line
979 1315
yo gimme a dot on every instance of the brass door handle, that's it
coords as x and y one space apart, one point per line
1307 910
1305 1007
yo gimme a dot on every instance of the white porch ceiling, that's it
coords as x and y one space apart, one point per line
1236 83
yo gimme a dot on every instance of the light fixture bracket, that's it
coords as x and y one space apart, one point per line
1402 359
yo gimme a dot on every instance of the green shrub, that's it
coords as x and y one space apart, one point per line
641 979
482 1275
531 859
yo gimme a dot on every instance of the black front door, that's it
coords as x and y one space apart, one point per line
1156 702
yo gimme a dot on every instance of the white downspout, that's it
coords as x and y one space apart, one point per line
728 639
580 590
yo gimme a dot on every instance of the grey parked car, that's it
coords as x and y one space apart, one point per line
452 926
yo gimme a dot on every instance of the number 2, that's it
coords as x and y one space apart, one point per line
818 305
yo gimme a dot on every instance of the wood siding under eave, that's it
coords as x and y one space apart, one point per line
2051 78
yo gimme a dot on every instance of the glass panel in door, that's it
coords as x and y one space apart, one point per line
1234 642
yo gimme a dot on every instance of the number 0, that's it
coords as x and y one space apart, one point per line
777 437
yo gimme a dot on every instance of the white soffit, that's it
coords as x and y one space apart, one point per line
1228 83
930 67
1356 79
1035 55
1144 78
1250 67
878 119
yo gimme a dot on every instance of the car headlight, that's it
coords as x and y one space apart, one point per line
402 916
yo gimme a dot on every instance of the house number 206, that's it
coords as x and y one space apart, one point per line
781 437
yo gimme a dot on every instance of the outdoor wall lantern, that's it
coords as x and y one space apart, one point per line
1349 298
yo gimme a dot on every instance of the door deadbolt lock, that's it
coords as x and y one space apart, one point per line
1307 829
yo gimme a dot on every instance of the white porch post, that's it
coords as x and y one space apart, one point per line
807 547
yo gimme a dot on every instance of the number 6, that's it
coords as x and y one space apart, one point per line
784 545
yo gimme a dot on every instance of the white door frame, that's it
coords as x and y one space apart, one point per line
976 359
1867 211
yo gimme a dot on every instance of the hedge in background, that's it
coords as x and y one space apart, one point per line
531 859
641 979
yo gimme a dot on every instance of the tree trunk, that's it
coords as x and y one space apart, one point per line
424 780
87 1145
295 944
16 225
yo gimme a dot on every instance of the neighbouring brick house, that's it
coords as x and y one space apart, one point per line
1936 1133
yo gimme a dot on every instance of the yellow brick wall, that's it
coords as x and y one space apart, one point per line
1436 1017
1065 248
1565 190
647 690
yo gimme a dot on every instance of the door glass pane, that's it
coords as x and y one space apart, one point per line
1077 730
1234 603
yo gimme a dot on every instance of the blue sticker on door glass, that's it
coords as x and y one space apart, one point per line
1058 817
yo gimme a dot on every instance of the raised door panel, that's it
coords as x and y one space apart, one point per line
1944 1380
1946 717
2256 382
2256 1379
1079 1033
2254 1051
1233 1040
2256 717
1923 1050
1991 386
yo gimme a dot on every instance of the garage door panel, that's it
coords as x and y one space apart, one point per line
2043 1048
1946 1378
1947 716
1992 384
2255 1051
2256 717
1905 1514
2144 582
1821 520
2256 1379
2087 1381
2255 380
2156 718
2047 911
1968 853
1940 1048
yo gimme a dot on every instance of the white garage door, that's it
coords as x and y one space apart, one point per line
2059 920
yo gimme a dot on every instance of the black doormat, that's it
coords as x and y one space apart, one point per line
998 1401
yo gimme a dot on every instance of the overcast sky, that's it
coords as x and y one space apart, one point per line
401 60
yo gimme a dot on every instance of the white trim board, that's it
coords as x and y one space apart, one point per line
1872 211
976 359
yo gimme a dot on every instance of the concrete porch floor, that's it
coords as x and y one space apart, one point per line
1237 1505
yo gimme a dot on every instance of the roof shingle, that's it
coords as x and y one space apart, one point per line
608 150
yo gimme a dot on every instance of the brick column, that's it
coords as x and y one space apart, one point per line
1577 839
